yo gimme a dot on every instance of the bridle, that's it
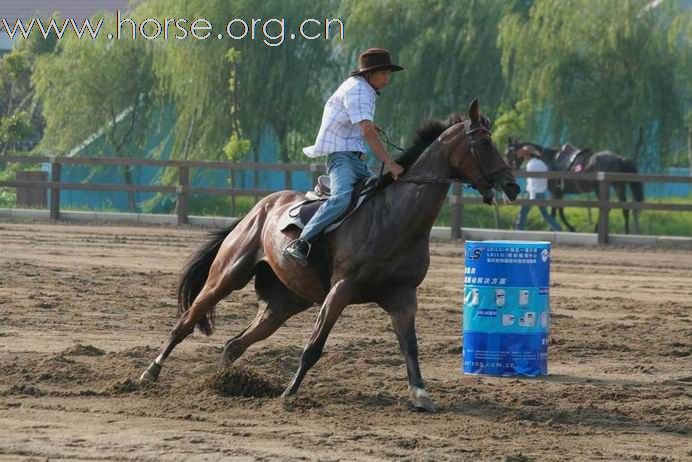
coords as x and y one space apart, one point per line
469 130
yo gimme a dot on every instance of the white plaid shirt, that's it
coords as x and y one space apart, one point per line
351 103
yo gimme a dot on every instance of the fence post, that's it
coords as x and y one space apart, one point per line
55 174
182 192
456 211
603 208
231 182
32 196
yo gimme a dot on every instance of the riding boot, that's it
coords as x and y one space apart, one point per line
298 251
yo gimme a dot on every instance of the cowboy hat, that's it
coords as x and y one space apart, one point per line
375 59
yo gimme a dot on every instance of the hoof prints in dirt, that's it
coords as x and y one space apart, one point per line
83 350
23 390
80 370
240 381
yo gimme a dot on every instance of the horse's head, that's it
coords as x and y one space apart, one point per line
515 153
476 159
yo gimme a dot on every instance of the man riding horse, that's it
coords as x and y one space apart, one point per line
347 122
379 255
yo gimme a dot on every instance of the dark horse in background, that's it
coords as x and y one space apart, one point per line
572 159
380 254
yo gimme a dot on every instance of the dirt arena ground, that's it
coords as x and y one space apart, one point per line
84 309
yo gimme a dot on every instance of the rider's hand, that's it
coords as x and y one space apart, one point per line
378 129
396 170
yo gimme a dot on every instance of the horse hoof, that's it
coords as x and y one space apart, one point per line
421 400
151 374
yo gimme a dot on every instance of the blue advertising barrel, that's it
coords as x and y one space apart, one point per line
506 308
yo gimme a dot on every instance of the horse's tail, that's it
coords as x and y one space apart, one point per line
636 186
195 274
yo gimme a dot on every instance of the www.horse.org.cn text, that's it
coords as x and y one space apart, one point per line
271 32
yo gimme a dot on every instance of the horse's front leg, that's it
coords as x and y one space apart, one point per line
564 220
401 306
337 299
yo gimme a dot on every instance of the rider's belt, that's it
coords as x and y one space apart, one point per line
359 155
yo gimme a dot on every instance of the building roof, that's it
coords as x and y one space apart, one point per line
11 10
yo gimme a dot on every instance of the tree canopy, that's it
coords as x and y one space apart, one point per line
597 73
449 53
88 86
602 70
229 90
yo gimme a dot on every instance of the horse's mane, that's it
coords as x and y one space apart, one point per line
426 133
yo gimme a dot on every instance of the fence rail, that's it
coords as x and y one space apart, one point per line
183 190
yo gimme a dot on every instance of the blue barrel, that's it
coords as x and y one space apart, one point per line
506 308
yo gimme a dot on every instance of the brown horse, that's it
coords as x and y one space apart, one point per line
380 254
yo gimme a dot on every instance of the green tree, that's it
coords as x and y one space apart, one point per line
680 44
229 88
192 75
602 69
89 86
20 113
449 52
284 88
512 122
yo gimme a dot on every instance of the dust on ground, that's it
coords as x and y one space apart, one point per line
84 310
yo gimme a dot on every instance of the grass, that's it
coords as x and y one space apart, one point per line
651 222
212 205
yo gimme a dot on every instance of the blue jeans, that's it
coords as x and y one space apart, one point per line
345 169
524 212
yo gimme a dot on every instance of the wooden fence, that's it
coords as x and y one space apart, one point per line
183 190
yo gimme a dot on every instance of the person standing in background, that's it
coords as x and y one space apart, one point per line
536 188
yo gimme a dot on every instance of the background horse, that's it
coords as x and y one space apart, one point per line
380 254
584 161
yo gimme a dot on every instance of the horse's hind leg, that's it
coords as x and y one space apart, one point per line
622 196
281 304
225 275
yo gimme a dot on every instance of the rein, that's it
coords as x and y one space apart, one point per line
468 130
416 180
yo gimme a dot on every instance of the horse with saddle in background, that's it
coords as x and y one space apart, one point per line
379 254
572 159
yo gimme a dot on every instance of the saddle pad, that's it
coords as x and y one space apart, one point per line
300 213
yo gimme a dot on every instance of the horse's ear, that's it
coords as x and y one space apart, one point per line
474 113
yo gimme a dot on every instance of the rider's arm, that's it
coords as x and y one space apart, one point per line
370 134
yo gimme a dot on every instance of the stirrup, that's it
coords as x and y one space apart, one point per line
294 253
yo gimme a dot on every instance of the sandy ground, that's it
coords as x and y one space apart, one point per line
84 309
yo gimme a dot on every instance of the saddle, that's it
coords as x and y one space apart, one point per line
301 213
567 157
